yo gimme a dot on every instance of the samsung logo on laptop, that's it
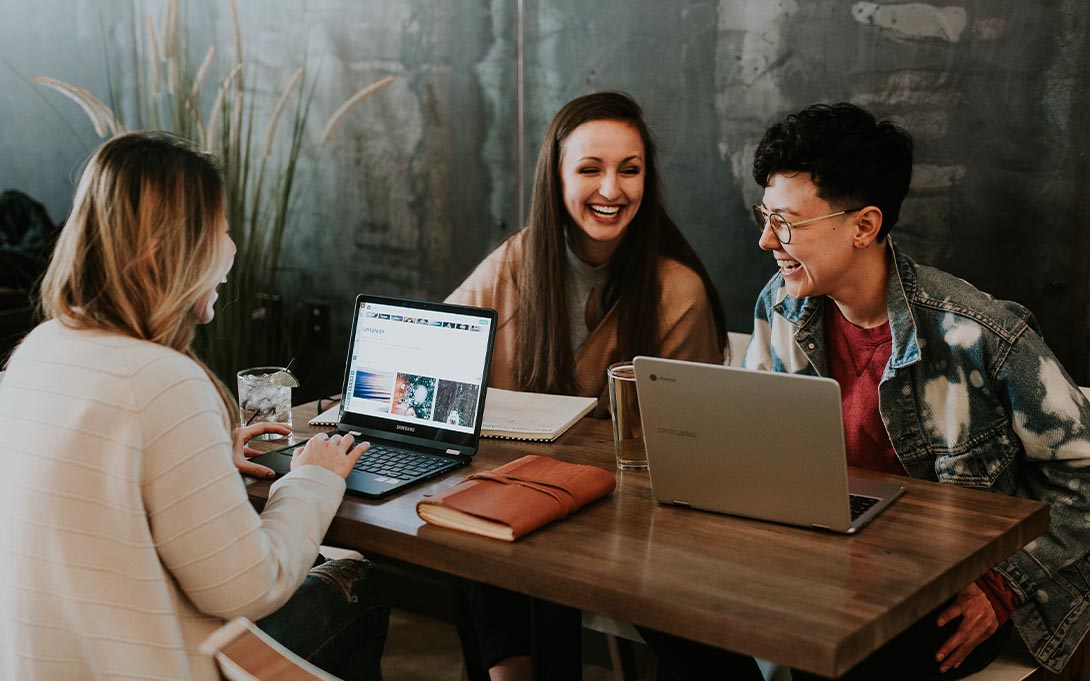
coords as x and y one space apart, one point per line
677 432
411 429
667 379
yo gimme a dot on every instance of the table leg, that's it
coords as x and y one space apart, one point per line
556 642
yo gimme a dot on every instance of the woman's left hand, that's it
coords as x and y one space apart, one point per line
243 453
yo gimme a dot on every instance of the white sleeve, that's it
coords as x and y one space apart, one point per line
226 558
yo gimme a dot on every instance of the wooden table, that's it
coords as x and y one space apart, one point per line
812 600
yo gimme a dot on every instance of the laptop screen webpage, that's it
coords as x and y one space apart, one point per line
417 372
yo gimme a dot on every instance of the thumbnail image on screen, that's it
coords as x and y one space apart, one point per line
414 396
456 403
372 391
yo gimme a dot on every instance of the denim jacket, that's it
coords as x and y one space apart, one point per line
972 396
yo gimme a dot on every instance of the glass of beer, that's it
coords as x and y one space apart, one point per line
625 408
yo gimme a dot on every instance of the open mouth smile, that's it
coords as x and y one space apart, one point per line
788 266
603 210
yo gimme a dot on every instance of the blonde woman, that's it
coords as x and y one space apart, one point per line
126 535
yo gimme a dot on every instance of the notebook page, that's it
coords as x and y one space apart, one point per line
532 413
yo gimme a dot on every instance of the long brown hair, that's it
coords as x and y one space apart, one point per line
142 245
546 360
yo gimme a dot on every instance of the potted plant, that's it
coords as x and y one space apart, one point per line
260 162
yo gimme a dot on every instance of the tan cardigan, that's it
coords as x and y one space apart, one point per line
686 323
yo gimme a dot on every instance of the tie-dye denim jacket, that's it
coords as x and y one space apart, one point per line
972 396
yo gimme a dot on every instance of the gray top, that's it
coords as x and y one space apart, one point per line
581 280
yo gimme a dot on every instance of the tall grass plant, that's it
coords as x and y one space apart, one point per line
260 162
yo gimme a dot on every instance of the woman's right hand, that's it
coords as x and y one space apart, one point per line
331 453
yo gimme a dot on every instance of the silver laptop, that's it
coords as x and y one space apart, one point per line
752 443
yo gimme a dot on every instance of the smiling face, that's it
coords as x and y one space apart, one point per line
602 175
821 258
204 308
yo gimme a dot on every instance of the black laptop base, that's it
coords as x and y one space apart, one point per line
382 470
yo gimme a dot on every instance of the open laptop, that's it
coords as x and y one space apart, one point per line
752 443
414 387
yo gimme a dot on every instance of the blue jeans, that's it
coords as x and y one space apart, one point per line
334 621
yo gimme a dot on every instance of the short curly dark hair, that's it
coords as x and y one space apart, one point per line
855 160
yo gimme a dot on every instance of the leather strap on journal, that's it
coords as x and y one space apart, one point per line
567 502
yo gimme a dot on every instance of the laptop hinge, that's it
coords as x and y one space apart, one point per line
681 503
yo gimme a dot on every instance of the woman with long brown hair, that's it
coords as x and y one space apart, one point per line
599 274
126 535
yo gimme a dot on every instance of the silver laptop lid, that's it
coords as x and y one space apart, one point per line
758 444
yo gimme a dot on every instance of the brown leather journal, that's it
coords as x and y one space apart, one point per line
516 498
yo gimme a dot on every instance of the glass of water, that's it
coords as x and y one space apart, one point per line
264 395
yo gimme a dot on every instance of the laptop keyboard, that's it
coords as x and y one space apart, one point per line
402 464
861 504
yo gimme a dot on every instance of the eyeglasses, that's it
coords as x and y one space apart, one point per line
781 227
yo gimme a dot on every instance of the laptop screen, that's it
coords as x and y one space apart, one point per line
418 370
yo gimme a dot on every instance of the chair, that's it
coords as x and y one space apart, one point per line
15 322
1011 665
334 553
245 653
737 342
1016 664
621 636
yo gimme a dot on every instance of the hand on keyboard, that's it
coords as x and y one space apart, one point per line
332 453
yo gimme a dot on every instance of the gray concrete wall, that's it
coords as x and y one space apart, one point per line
421 181
44 137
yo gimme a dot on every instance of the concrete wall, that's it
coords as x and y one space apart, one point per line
421 181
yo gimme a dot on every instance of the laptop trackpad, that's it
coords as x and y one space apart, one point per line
279 461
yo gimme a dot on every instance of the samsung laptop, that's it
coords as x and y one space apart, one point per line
414 387
752 443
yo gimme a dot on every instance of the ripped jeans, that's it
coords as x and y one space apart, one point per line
334 621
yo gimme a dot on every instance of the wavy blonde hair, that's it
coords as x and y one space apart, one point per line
142 245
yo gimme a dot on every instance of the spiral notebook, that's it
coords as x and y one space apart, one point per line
513 415
531 416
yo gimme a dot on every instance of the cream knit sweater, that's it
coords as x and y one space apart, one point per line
126 535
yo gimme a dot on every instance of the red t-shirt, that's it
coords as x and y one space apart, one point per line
857 357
